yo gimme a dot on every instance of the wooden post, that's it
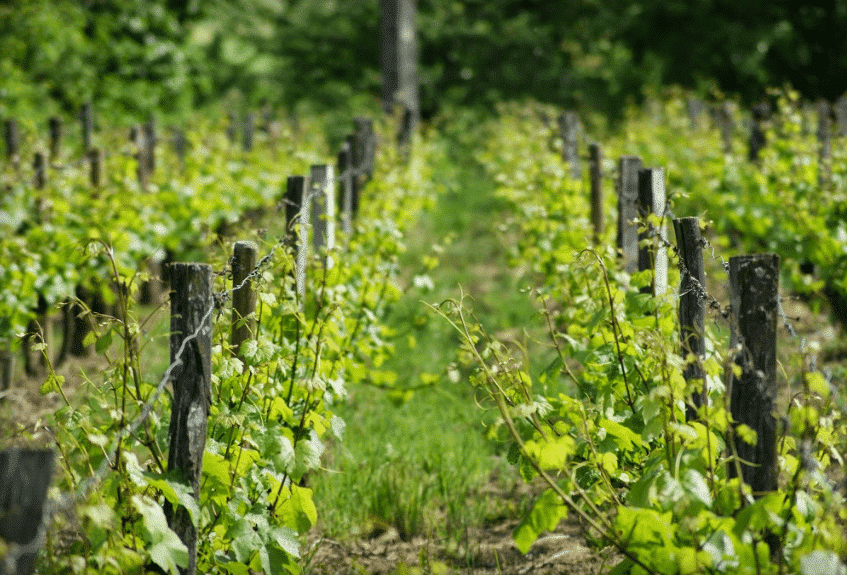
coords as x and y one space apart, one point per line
595 155
39 166
841 115
569 129
136 135
824 143
754 302
322 207
95 159
86 117
55 137
148 130
191 327
180 145
345 173
297 211
726 126
244 297
12 135
7 368
81 321
232 128
628 211
365 148
249 126
651 202
692 306
758 139
25 475
355 176
399 59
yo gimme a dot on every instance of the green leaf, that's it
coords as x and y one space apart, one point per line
175 491
822 563
165 547
285 539
544 516
624 437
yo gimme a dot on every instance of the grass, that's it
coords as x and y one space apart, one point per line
422 464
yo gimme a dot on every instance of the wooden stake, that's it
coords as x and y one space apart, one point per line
569 128
87 120
595 155
692 305
323 207
55 137
191 327
754 300
345 172
628 212
244 297
651 202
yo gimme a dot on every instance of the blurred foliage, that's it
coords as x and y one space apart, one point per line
169 55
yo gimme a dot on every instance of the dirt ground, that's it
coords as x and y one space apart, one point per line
491 552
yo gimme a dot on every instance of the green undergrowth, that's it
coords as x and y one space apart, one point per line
415 456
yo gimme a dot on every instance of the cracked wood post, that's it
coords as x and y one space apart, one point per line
322 202
55 124
25 476
595 155
758 138
95 159
7 368
399 62
569 133
345 173
148 130
355 175
692 306
628 211
754 303
243 297
365 149
297 224
191 326
652 249
86 117
12 135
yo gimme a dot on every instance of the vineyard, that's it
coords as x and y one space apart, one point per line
223 346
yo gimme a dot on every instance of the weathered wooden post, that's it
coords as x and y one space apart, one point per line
651 202
595 155
758 139
569 129
692 306
249 127
754 302
824 142
695 108
365 148
7 368
297 213
81 321
399 59
25 476
136 136
232 127
180 144
243 296
55 124
726 126
12 135
841 115
323 208
86 117
191 346
356 179
345 173
149 132
95 159
628 212
39 166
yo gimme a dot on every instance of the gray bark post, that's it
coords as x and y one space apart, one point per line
39 166
7 369
25 476
12 135
86 117
726 126
569 128
297 212
355 176
322 194
137 137
365 148
595 155
345 173
191 301
55 137
628 211
754 302
758 139
841 115
95 159
79 322
232 128
180 145
399 58
243 297
692 306
824 143
651 202
249 127
695 108
149 132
